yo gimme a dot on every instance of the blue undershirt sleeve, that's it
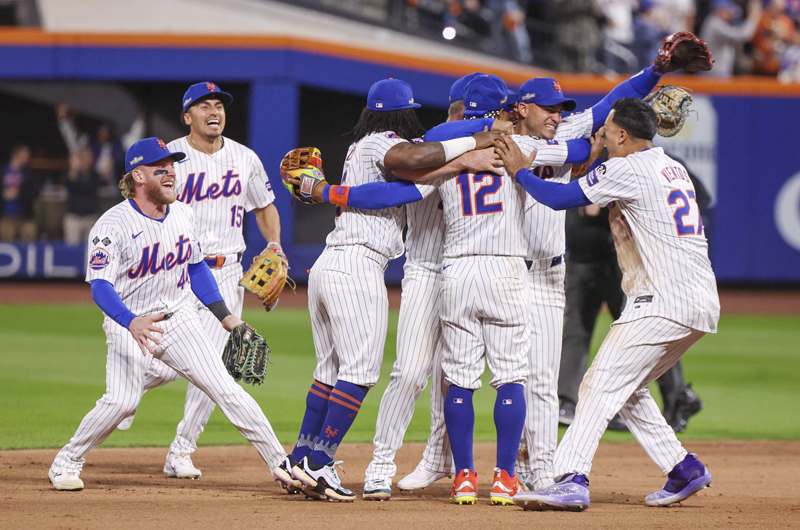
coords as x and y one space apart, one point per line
457 129
637 86
552 194
108 300
577 151
204 286
379 195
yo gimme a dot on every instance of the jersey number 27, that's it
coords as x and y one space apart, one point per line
680 198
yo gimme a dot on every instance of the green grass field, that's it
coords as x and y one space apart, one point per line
52 370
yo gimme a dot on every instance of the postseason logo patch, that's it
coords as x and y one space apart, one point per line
98 259
594 177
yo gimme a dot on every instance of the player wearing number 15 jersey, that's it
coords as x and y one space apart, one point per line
672 302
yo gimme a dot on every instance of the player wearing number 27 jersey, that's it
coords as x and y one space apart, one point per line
671 303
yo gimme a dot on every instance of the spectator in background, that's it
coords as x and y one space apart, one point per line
724 37
508 26
108 150
619 35
790 63
674 15
774 34
20 189
82 182
648 33
579 35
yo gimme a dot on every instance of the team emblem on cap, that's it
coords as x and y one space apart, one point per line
211 87
136 160
557 86
98 260
161 144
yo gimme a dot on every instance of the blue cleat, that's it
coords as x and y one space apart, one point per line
570 493
685 479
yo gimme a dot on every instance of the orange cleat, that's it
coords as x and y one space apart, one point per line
504 488
465 487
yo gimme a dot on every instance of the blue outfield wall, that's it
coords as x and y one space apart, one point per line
755 234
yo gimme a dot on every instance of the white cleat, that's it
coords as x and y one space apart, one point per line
125 424
66 480
420 478
179 465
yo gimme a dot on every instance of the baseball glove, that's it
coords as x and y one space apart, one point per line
267 277
246 355
671 104
683 51
301 170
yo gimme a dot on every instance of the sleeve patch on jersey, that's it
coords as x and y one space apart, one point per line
268 186
98 259
594 177
552 142
391 135
106 241
96 240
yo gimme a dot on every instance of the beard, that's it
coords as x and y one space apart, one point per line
156 193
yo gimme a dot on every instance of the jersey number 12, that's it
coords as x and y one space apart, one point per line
480 204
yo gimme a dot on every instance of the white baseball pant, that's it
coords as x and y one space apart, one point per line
633 355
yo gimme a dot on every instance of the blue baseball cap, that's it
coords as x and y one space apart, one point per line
544 91
457 89
391 94
147 151
484 94
729 5
204 90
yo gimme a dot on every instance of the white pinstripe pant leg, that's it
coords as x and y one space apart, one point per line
437 456
632 356
198 407
544 358
125 374
188 350
348 294
417 339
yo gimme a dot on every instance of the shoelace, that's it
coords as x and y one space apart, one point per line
185 459
335 475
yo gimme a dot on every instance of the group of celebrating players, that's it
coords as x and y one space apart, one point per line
482 199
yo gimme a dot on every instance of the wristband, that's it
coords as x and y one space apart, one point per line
337 195
219 310
457 147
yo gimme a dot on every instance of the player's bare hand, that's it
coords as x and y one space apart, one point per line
487 138
512 157
142 329
481 161
230 322
503 126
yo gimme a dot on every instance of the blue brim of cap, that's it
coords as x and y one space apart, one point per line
176 156
226 99
569 104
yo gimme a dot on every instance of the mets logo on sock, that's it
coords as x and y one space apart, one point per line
330 433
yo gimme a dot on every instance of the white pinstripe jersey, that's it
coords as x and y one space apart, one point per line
379 230
145 259
661 244
544 226
483 213
425 235
220 188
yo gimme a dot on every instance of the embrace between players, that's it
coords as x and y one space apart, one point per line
483 281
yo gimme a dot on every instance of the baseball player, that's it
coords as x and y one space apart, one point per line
481 249
220 179
347 295
143 260
671 295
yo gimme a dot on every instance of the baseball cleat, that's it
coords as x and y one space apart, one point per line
66 480
179 465
566 412
420 478
570 493
125 424
525 481
283 475
504 488
687 405
465 487
322 480
377 490
685 479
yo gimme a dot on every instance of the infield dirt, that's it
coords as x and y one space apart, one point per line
754 486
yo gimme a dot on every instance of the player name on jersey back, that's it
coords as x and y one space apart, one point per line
659 236
145 259
379 230
220 188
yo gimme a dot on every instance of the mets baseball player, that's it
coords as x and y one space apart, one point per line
671 295
483 300
541 103
143 261
348 303
220 179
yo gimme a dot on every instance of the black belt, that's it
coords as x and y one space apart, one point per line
558 260
216 262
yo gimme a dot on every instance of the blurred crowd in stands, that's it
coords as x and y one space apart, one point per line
62 203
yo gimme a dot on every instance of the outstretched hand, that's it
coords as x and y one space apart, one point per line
142 329
487 138
512 157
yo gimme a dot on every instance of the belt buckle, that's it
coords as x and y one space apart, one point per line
220 261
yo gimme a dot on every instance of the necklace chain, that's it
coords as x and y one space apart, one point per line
199 148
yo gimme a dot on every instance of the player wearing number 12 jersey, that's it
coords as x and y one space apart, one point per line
672 302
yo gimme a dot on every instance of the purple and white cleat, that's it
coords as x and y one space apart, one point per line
570 492
685 479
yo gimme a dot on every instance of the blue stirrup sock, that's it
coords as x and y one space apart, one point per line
459 417
343 406
509 420
316 409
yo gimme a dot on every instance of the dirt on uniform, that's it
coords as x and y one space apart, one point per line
754 486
